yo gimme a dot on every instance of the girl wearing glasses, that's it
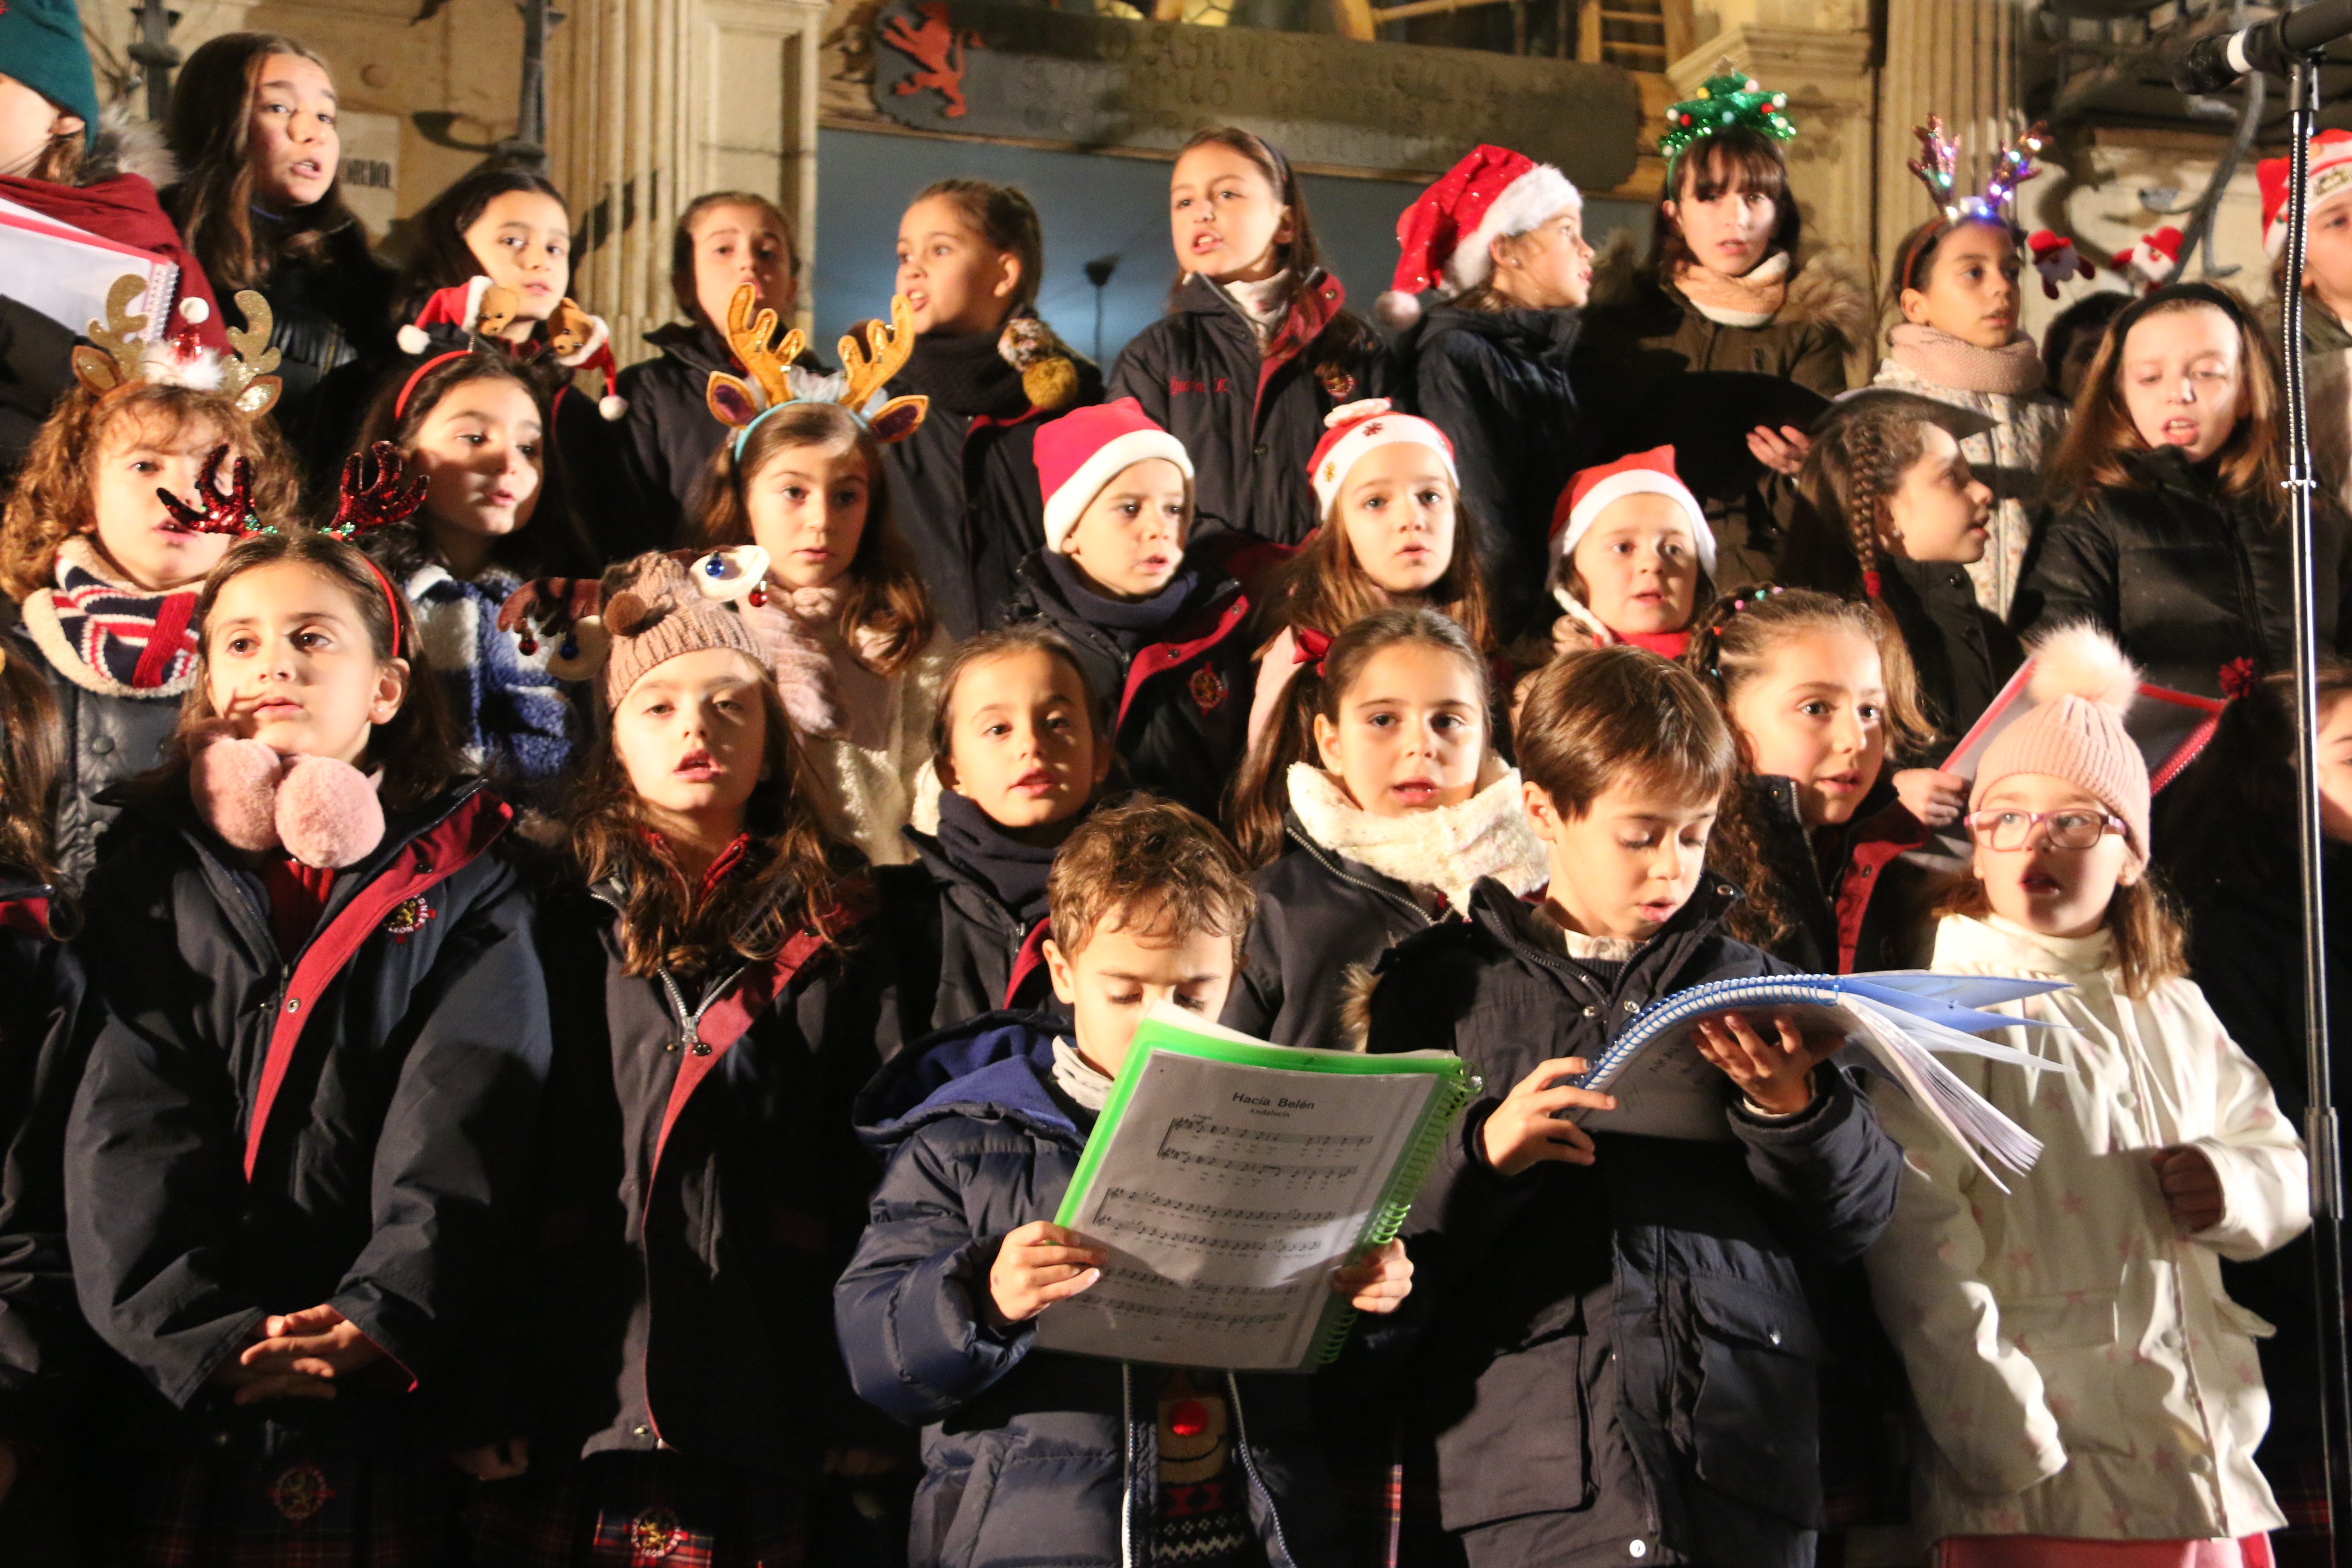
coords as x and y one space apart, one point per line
2084 1379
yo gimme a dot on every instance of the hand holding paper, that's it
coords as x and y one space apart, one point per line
1528 1127
1776 1075
1039 1265
1379 1282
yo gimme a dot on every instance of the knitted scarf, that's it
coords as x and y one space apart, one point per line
109 637
966 376
1131 623
1261 303
511 713
1750 301
1448 848
1014 872
1936 356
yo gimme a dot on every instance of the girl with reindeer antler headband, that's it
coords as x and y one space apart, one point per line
105 576
300 1186
1955 289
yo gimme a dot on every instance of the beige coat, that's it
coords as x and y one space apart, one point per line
2079 1370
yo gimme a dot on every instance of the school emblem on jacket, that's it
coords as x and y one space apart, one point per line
1337 383
655 1534
300 1492
408 917
1208 689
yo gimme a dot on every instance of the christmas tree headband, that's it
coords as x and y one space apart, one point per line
1724 101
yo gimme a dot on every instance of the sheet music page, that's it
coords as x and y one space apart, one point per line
67 279
1225 1196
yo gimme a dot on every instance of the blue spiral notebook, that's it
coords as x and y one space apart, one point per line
1894 1021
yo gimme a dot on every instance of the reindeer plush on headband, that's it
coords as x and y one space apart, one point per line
776 380
124 359
575 611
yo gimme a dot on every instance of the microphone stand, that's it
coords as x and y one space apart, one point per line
2320 1131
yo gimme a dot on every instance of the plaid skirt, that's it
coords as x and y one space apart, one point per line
233 1509
640 1510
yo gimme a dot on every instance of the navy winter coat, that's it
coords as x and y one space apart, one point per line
1619 1360
957 950
259 1132
700 1188
1029 1457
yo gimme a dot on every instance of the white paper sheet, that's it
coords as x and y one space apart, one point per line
1225 1198
65 273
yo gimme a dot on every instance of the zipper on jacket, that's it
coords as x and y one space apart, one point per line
1249 1466
692 1017
1127 1450
1330 863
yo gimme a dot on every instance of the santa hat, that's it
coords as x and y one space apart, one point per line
1445 238
2331 174
1591 490
596 354
2151 259
459 306
1354 429
1084 451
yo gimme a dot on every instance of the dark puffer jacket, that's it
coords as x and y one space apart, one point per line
1618 1361
1877 909
958 951
963 489
35 370
1962 652
111 735
1251 418
1497 383
671 433
259 1132
1029 1456
2190 583
328 312
700 1189
1319 915
46 1027
1180 694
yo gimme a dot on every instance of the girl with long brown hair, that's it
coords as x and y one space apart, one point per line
1258 345
701 1186
2170 533
260 200
844 625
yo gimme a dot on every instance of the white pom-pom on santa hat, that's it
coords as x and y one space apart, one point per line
1446 238
194 312
412 339
612 406
2079 661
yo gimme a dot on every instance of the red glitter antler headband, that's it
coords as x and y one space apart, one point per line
232 513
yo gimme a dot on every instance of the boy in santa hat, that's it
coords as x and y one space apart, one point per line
1159 633
2327 294
1632 556
1494 273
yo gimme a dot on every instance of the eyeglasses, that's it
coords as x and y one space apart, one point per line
2073 830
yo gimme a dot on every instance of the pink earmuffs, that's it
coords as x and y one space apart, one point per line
322 812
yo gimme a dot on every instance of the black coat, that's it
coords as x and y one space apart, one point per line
957 950
2190 583
1877 911
1624 1347
696 1201
1029 1456
1319 915
1962 652
1179 698
328 313
110 738
1497 383
35 370
671 434
963 488
46 1025
259 1132
1250 419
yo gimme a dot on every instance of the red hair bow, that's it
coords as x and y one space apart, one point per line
1309 645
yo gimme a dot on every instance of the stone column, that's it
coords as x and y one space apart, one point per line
653 102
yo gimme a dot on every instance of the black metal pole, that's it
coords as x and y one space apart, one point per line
2320 1131
153 53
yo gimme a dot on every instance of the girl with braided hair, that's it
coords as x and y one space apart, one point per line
1889 510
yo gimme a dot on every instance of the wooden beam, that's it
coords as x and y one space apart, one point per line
1428 8
1677 16
1588 30
1355 19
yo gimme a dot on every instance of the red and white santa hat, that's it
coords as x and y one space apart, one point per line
1086 448
1353 429
459 306
596 354
2331 175
1445 238
1590 491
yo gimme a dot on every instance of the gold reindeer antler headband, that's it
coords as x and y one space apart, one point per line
775 381
123 358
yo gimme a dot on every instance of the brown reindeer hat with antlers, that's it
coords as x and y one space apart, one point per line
775 380
124 359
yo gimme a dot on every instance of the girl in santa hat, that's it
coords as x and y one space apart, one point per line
474 425
1258 345
1632 556
2327 295
1497 250
1724 291
1955 289
253 128
1393 533
492 268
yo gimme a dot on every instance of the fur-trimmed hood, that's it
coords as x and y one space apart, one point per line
128 146
1449 849
1821 294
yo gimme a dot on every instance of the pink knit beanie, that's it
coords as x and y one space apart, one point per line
657 607
2082 686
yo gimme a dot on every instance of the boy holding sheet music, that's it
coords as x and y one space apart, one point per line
1032 1454
1616 1361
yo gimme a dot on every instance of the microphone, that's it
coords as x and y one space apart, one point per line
2214 63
